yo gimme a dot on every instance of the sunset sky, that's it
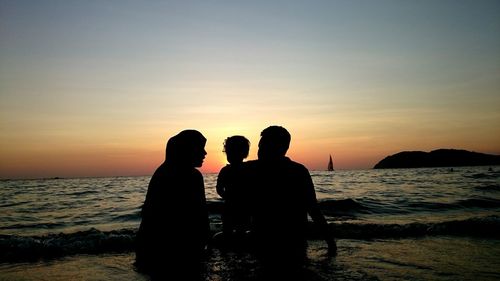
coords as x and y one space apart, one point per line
95 88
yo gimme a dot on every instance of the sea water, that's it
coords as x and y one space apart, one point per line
391 224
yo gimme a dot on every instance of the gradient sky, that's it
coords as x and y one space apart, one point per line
95 88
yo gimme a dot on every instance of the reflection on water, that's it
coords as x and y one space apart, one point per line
415 210
429 258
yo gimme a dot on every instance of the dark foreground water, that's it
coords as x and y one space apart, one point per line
396 224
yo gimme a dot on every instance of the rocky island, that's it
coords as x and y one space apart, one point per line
437 158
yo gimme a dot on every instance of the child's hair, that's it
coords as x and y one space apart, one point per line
237 144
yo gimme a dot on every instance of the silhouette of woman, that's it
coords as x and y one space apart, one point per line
174 228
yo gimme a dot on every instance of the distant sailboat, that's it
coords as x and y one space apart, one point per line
330 164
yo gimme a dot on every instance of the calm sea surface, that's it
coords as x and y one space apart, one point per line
452 209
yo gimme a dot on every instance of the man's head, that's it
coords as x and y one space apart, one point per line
274 142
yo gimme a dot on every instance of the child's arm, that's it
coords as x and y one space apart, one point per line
221 179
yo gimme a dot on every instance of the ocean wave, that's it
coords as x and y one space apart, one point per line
342 207
490 175
488 187
83 192
480 203
14 248
352 207
34 225
488 227
136 216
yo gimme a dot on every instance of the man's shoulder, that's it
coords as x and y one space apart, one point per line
296 165
224 169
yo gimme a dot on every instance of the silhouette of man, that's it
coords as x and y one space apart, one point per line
283 196
174 228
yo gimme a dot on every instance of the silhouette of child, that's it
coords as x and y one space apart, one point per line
235 217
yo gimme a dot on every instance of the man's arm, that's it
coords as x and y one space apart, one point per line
318 217
324 228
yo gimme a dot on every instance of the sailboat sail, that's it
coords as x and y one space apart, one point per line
330 164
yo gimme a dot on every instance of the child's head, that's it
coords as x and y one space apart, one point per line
236 148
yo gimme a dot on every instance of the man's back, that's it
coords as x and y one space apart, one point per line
282 195
283 192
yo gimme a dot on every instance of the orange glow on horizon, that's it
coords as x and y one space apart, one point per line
73 159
